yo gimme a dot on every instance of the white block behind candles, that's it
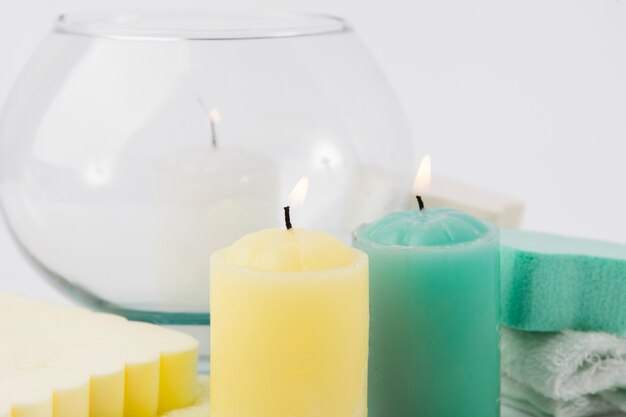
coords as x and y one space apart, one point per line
497 208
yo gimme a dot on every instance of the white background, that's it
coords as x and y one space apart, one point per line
523 97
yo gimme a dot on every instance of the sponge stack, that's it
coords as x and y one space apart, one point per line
564 312
553 283
69 362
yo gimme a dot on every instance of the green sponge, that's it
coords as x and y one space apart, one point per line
553 283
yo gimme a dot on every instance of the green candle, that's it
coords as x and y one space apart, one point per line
434 315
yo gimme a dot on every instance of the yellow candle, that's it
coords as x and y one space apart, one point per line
289 327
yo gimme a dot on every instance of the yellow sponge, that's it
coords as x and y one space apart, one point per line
201 406
69 362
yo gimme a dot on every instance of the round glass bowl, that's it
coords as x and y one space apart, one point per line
135 145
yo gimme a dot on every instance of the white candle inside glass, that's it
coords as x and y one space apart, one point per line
207 196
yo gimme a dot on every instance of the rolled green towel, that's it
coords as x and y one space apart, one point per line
524 398
565 365
617 397
553 283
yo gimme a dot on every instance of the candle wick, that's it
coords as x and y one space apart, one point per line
211 122
420 202
287 218
213 134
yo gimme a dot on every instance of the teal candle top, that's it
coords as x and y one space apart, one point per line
428 227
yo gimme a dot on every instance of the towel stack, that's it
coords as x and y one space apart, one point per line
564 312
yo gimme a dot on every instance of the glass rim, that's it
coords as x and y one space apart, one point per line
188 25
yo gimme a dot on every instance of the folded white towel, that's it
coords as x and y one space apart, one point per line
566 365
524 398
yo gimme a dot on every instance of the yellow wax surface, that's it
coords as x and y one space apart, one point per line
289 327
292 250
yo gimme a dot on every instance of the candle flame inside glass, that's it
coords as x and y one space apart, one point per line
422 179
214 116
297 196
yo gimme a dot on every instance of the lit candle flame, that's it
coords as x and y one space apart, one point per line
422 179
214 116
299 192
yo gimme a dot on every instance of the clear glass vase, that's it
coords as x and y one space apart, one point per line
134 145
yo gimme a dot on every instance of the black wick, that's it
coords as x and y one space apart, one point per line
420 202
211 121
287 218
213 133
